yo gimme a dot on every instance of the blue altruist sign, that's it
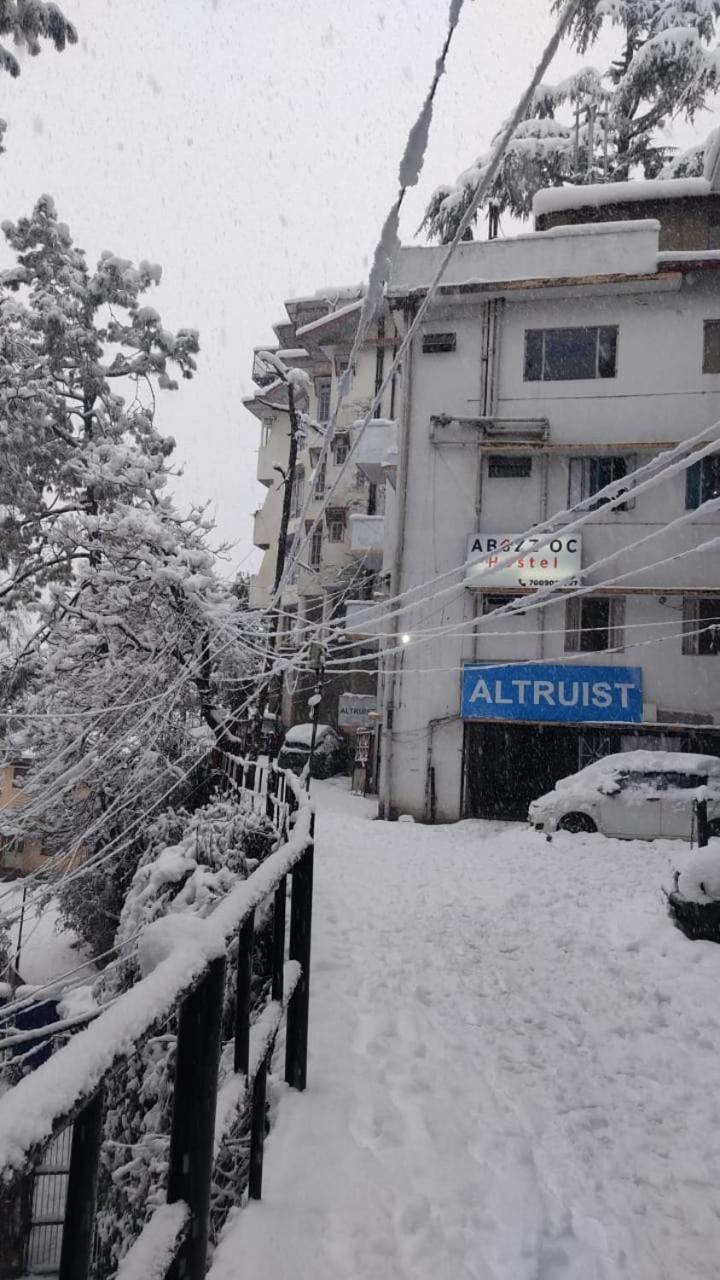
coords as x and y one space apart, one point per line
538 691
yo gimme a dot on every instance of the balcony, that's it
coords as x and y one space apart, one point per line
367 536
374 449
262 535
362 619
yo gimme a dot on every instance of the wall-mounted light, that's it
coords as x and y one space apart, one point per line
405 638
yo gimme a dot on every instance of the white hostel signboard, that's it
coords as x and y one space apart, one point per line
533 562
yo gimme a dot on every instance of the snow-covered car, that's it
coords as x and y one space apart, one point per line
634 795
328 756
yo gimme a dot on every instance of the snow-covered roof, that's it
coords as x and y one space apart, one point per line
558 199
570 253
641 762
331 317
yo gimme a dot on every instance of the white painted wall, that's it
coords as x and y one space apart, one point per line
659 394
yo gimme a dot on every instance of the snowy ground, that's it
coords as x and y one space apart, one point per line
47 951
513 1070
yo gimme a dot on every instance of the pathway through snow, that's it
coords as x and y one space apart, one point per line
513 1070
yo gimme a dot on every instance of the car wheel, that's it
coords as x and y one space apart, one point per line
576 822
714 827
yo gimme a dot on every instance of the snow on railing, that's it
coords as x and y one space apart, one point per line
183 961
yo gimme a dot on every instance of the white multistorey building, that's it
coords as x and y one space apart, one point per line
547 367
342 560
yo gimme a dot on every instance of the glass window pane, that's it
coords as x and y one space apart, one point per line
607 351
692 487
570 353
711 346
533 355
595 623
710 478
709 625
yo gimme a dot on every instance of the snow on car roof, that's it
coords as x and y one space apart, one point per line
641 762
301 734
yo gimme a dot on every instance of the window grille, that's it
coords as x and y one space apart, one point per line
509 466
435 343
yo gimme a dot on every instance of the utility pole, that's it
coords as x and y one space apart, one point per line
275 615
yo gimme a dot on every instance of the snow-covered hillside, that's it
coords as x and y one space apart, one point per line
514 1064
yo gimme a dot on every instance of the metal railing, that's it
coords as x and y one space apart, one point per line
66 1093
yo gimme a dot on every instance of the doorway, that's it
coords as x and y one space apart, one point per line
508 765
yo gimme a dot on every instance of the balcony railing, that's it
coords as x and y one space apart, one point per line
376 449
261 531
367 534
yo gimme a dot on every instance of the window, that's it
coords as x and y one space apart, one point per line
297 493
713 234
711 346
701 625
490 603
559 355
336 526
266 431
289 626
315 545
341 449
594 623
322 391
601 471
434 343
702 481
21 769
509 466
320 479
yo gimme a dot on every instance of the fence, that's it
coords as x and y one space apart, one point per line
65 1094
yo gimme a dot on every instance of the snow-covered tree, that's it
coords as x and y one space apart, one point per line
28 23
136 642
605 124
72 341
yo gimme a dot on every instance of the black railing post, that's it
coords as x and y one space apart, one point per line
278 946
702 823
257 1132
78 1228
241 1060
15 1217
193 1121
298 1008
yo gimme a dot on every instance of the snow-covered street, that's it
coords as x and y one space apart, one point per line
513 1066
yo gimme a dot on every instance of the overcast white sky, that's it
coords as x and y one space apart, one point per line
252 149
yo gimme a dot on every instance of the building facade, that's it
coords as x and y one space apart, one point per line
343 560
548 367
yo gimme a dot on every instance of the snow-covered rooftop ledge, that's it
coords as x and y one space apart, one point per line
331 317
593 196
606 249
